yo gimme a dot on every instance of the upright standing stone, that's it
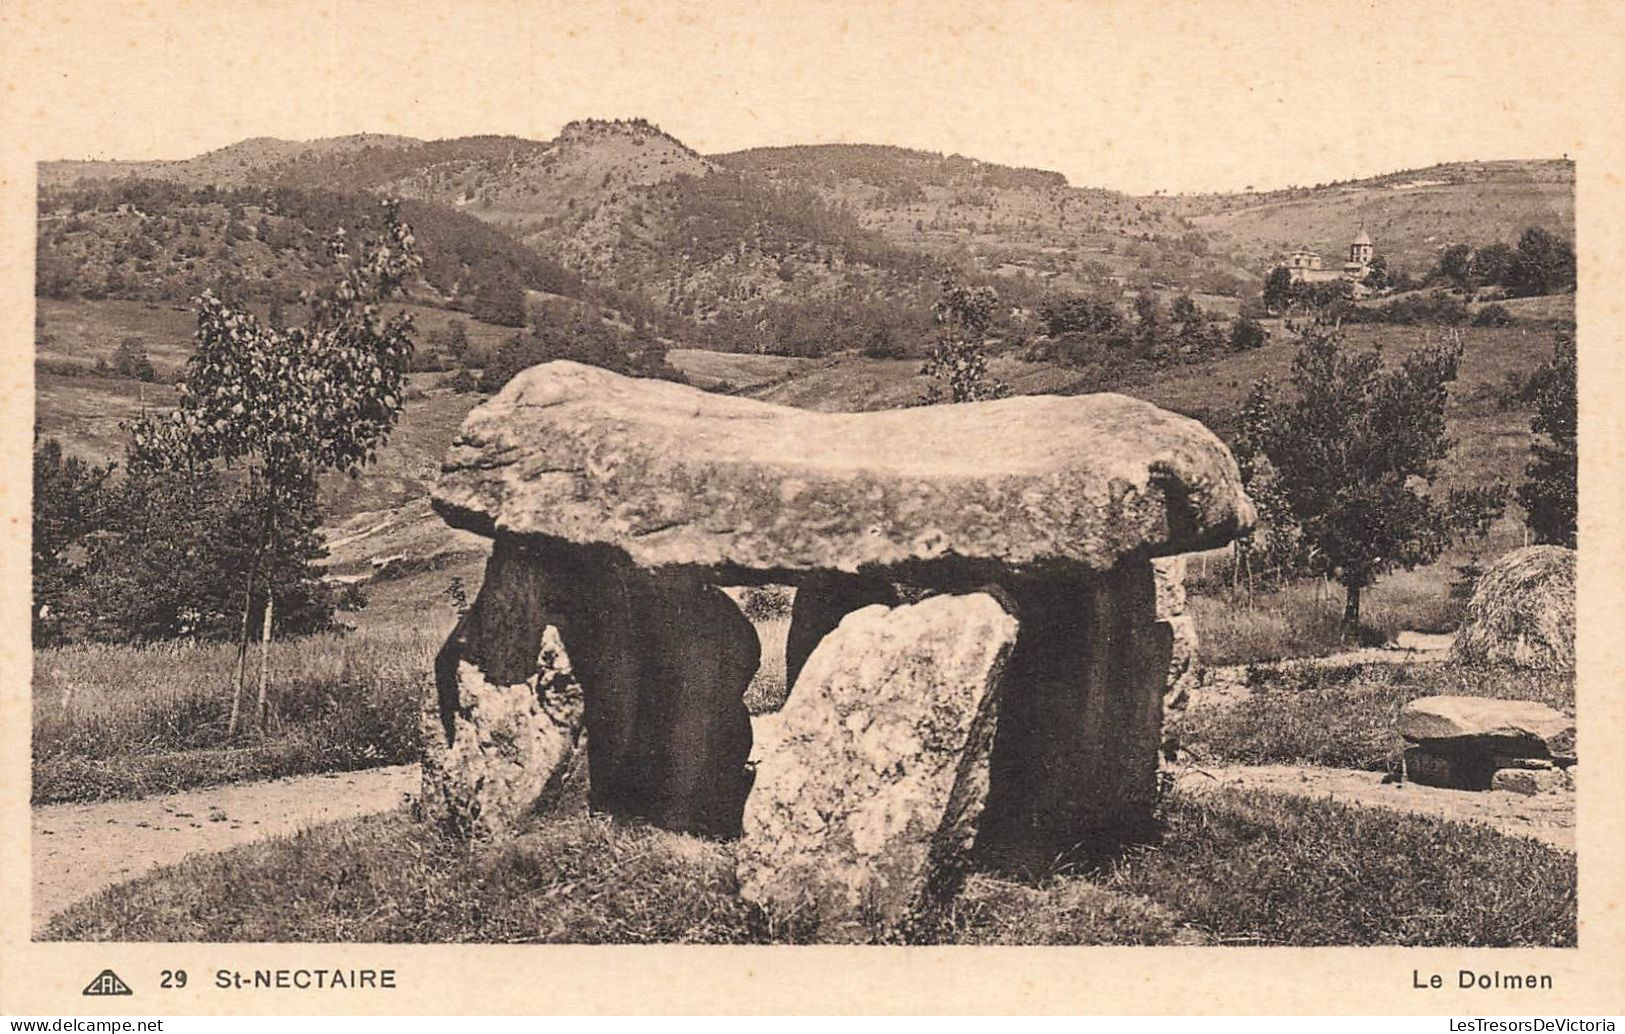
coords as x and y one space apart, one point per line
821 602
872 779
1075 758
666 660
1183 673
503 717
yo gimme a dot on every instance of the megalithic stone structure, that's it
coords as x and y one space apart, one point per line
618 505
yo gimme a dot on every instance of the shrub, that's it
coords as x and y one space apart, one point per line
1492 316
1247 334
130 360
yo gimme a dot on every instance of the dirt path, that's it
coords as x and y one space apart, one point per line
1545 817
80 848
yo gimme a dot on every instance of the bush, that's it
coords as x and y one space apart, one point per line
1492 316
1247 334
131 361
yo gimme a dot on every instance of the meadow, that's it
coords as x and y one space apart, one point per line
115 721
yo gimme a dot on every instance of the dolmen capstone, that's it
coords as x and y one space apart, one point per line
1016 708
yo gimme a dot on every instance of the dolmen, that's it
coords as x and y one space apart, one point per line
1481 743
1012 709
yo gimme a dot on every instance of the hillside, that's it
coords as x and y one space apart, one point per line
1006 221
156 240
620 205
235 165
1411 215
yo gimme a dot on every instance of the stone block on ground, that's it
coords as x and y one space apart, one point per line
1075 760
746 492
871 781
1184 672
1531 781
665 661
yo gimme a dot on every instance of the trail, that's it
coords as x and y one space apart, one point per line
79 849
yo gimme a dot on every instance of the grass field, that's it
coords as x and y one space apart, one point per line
1345 716
1231 868
130 721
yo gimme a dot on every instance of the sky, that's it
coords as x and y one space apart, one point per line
1140 96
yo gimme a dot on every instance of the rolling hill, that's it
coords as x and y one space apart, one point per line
1412 215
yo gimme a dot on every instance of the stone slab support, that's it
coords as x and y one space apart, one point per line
1074 763
822 600
505 711
666 661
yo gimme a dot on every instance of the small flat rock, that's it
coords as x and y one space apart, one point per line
1531 781
873 777
1514 728
675 477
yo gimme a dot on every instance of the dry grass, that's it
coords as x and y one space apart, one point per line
1522 612
114 721
1304 619
1231 868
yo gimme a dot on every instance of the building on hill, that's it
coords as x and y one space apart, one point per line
1305 266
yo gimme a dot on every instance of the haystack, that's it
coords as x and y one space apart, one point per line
1522 612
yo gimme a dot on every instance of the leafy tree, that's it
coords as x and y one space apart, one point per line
1278 289
71 501
175 545
130 360
1246 334
1080 314
1550 491
1376 274
1352 451
286 405
1544 263
457 341
957 363
1492 264
1455 265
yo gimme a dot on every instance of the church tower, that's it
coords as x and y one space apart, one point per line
1362 250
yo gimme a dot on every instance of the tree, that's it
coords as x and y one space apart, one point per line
1544 264
131 360
284 406
71 499
1377 277
1455 265
1278 289
1550 491
1246 334
175 545
1492 264
1352 452
958 360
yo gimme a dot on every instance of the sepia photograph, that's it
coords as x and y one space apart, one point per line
1067 475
